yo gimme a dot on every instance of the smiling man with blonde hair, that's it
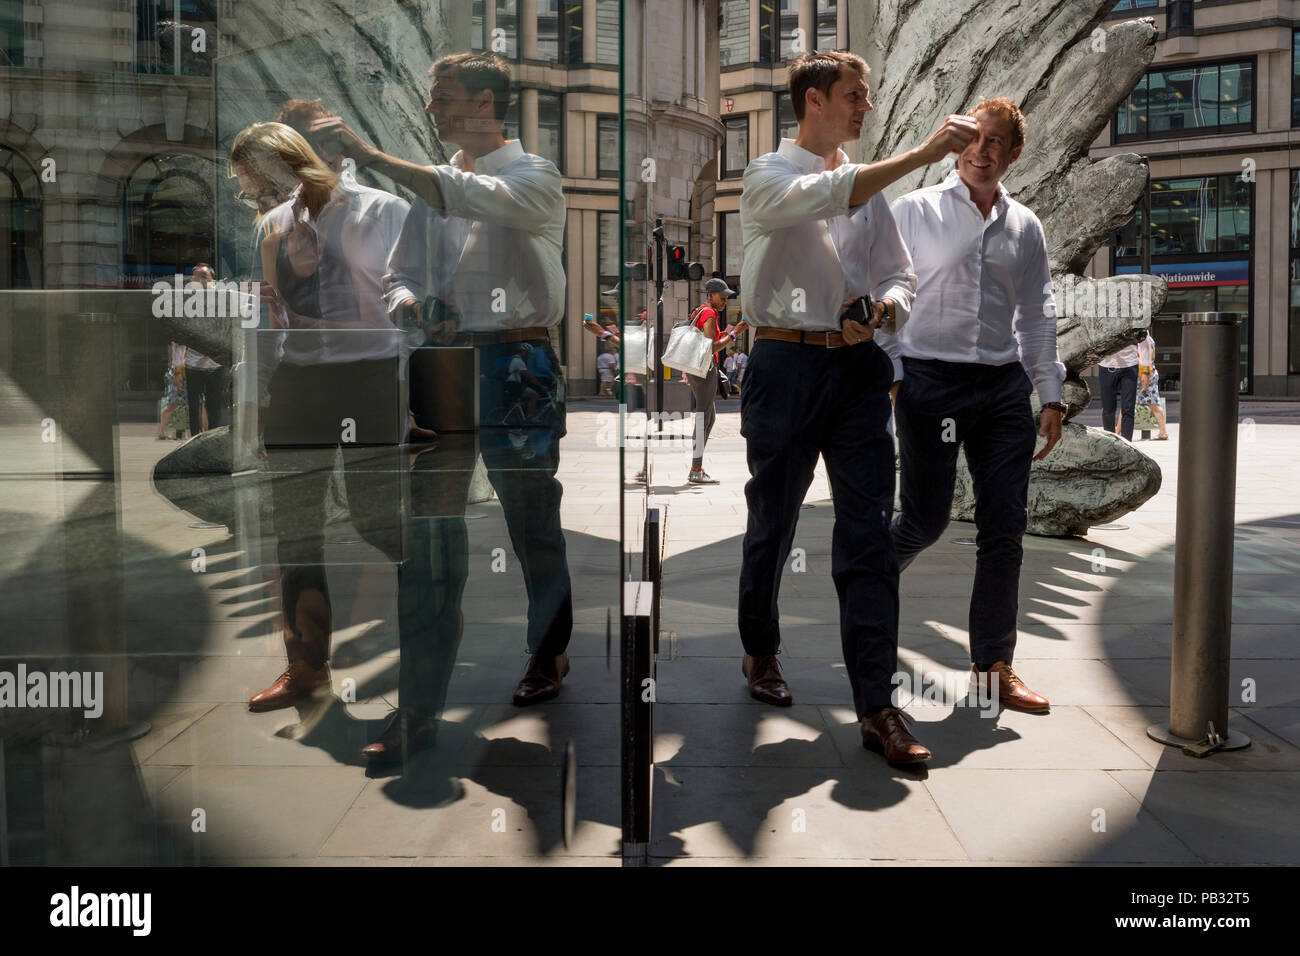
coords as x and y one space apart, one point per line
980 338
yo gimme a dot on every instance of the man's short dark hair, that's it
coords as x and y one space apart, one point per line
300 114
820 71
478 72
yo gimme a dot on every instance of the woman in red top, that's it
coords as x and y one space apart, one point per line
705 389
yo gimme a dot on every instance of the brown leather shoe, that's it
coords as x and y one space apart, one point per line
1012 691
765 680
307 647
406 733
541 681
298 682
886 733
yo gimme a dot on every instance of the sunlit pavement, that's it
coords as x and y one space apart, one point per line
736 781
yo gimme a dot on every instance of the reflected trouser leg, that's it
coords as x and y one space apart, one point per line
927 419
859 457
299 501
779 415
999 447
431 580
530 500
430 586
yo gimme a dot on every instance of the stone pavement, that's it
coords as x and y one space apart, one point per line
736 781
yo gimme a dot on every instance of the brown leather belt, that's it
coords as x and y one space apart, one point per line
828 340
502 337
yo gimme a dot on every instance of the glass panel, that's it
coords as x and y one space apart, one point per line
1234 214
787 127
1205 97
1199 98
548 30
1293 323
789 23
1295 209
1236 298
734 35
768 29
736 150
607 31
735 249
390 491
1131 117
1295 78
827 36
1183 216
506 36
1236 90
607 146
20 223
550 128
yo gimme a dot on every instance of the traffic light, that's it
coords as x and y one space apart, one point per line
676 263
679 268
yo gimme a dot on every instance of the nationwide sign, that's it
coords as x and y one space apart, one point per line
1186 275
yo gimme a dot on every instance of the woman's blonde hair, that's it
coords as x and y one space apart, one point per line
276 141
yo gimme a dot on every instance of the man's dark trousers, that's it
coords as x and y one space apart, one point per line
985 409
800 401
1118 384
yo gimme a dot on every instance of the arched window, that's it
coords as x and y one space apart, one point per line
168 217
20 223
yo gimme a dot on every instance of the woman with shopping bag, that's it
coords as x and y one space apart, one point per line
692 350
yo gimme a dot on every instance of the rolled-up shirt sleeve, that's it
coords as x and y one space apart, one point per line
776 198
892 273
408 263
524 200
1034 321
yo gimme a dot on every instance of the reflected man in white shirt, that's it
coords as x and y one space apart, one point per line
818 236
981 337
479 264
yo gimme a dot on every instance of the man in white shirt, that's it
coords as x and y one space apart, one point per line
479 263
818 235
1117 376
981 336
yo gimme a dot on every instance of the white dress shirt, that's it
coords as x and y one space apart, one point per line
352 236
807 252
984 292
495 251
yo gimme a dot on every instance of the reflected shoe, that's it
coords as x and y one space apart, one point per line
700 477
406 733
765 680
1012 691
887 734
541 681
299 682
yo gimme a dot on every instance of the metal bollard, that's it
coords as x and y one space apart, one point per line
1203 545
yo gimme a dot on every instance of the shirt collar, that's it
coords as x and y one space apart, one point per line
489 164
806 161
953 181
345 186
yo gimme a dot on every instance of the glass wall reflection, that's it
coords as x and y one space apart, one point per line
311 532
